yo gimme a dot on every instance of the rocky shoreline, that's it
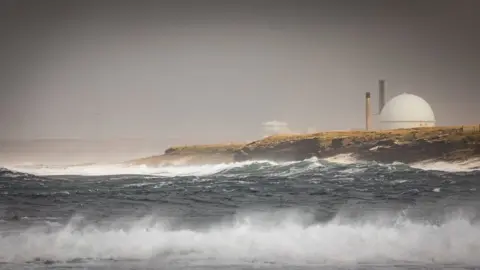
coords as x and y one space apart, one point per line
404 145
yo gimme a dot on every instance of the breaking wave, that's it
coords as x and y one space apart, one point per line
260 166
464 166
120 169
290 237
330 212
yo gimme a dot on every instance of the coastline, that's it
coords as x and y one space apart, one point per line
452 144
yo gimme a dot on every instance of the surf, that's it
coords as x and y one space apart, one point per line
289 237
259 166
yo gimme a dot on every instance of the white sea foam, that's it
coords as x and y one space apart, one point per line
465 166
342 159
311 164
209 169
282 237
167 171
121 169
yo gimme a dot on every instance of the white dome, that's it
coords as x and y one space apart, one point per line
406 111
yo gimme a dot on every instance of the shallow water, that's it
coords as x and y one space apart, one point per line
315 214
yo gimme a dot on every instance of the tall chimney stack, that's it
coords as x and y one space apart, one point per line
367 111
381 95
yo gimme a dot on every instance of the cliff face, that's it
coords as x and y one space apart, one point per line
407 145
281 151
404 145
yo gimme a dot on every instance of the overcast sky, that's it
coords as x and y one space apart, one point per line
211 71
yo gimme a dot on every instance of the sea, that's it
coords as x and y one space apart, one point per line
335 213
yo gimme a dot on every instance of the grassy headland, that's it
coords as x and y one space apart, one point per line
405 145
204 149
192 154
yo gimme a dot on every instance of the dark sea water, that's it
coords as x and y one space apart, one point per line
314 214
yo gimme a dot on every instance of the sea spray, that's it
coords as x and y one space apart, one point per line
292 168
285 237
301 214
464 166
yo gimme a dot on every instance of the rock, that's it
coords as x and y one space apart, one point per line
417 145
337 143
401 145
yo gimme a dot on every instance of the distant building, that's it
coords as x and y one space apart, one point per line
311 130
275 127
406 111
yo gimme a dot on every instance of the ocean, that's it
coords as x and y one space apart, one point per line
337 213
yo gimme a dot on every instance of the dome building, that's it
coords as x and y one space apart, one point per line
406 111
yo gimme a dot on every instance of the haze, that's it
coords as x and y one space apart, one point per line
213 71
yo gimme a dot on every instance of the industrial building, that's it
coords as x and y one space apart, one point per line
275 127
402 111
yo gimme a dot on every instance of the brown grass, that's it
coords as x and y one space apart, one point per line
450 133
205 149
405 135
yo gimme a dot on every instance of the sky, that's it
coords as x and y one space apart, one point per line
214 71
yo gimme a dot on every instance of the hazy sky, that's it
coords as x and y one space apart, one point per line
207 71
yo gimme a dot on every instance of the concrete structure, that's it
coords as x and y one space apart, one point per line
406 111
368 113
381 95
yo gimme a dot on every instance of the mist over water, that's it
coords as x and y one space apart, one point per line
333 213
